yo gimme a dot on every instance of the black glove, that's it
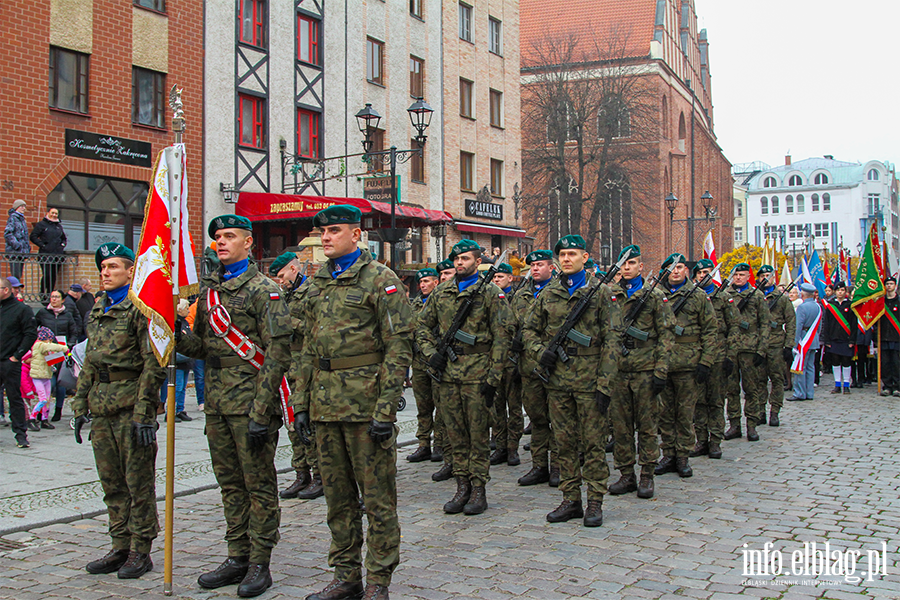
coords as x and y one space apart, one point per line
488 391
787 354
301 426
380 432
257 434
517 346
438 362
701 374
758 360
143 434
658 385
548 359
728 365
602 402
79 423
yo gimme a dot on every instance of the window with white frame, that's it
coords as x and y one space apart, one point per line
774 205
796 232
739 234
821 179
815 202
874 175
495 41
821 230
826 201
789 205
769 182
795 180
874 204
465 22
801 204
764 205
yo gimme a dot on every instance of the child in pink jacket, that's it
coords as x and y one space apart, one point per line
42 373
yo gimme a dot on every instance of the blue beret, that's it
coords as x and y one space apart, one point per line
570 242
808 288
337 214
110 250
281 262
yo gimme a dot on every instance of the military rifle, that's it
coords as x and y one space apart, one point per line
724 285
635 311
453 333
297 281
774 300
683 300
743 303
517 340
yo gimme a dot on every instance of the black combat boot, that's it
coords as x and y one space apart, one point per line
666 465
645 487
700 449
733 433
137 564
554 476
303 480
773 419
421 454
626 483
682 467
313 490
256 581
459 500
752 436
512 458
499 456
233 570
527 430
535 476
376 592
715 450
569 509
47 425
57 415
593 516
113 561
339 590
437 454
477 503
444 473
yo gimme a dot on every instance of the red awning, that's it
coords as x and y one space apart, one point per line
258 206
491 229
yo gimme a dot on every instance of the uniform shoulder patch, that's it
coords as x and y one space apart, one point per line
274 296
665 299
391 289
501 295
612 298
731 301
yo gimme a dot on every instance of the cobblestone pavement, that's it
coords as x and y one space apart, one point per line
828 474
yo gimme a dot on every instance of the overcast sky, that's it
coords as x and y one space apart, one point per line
809 77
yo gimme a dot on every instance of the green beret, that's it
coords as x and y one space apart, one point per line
765 269
674 259
504 268
423 273
445 264
463 246
703 263
590 264
635 251
570 242
741 267
337 214
538 255
281 262
111 249
228 222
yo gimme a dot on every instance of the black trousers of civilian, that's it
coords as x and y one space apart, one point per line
890 369
11 380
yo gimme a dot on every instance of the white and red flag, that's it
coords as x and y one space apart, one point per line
152 287
709 251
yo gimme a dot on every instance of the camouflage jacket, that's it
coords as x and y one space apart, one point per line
696 343
727 318
589 368
522 304
363 311
657 320
418 307
489 321
783 321
118 340
298 374
255 306
752 331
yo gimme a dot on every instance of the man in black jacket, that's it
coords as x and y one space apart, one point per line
19 332
48 235
71 301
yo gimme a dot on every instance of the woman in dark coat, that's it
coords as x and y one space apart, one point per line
60 320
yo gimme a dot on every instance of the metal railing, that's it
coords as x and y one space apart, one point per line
40 273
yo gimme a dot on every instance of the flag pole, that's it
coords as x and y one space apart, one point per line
175 187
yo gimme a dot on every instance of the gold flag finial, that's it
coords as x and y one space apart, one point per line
177 110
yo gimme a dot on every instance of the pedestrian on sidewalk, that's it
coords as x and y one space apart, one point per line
16 235
19 332
61 321
48 235
42 373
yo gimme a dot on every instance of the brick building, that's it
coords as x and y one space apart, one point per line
673 148
84 80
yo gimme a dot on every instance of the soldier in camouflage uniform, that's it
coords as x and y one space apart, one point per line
242 406
689 367
118 387
446 270
287 272
508 426
643 370
709 415
469 384
750 342
783 324
578 390
428 418
531 388
357 348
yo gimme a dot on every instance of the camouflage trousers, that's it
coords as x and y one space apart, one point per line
353 467
249 486
774 372
534 397
752 380
304 457
709 413
508 426
127 474
578 425
427 415
676 413
634 408
468 423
